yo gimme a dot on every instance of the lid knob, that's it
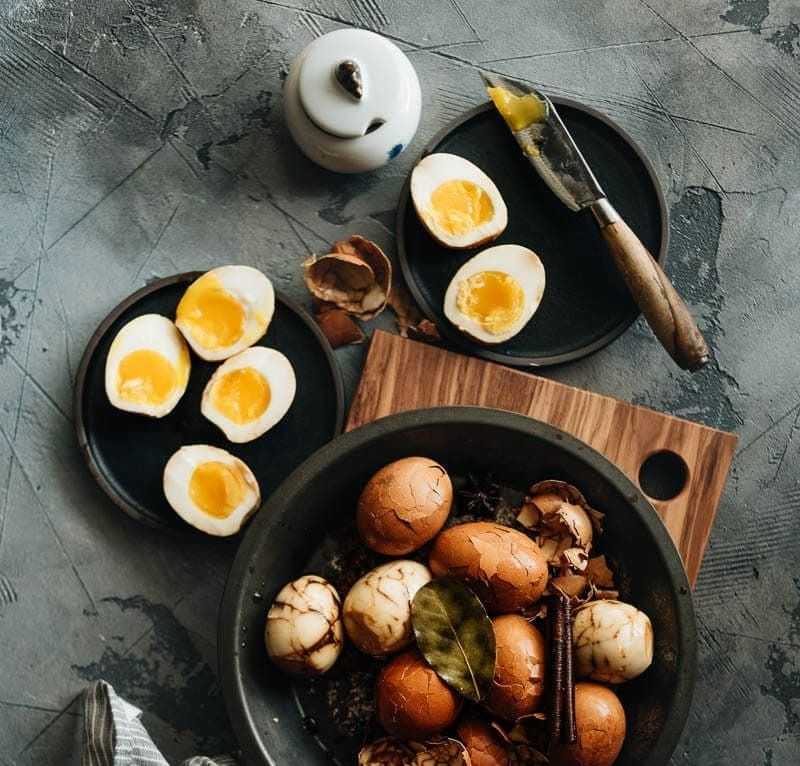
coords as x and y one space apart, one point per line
348 75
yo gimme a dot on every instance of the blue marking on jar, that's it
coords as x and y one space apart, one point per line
395 150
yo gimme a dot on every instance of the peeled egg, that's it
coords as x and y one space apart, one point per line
211 489
456 201
495 293
225 311
304 634
147 367
249 393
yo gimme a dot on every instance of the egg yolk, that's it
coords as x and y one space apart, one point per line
519 112
217 489
242 395
214 316
146 377
493 299
459 206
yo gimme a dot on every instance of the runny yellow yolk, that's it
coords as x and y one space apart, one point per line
214 316
493 299
217 489
519 112
242 395
146 377
459 206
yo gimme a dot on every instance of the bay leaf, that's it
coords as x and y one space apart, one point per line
455 635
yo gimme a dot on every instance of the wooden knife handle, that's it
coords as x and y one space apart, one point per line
663 308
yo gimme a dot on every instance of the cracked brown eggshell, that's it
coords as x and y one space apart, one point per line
385 751
411 701
518 686
304 633
484 744
355 276
377 609
504 567
404 505
600 720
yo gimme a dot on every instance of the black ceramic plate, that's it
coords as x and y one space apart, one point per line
311 515
126 453
586 304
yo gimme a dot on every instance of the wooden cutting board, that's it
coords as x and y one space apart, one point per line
402 375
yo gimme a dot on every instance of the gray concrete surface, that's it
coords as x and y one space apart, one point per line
143 137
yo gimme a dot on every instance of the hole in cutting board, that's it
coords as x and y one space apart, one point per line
663 475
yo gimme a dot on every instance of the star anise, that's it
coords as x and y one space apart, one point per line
481 496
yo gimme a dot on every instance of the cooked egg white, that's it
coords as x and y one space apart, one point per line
456 201
225 311
495 293
147 367
249 393
211 489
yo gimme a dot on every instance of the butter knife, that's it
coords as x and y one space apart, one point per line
549 147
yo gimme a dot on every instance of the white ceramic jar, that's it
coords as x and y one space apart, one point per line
352 101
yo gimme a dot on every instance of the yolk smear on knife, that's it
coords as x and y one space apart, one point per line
519 112
459 206
242 395
214 317
216 488
493 299
146 377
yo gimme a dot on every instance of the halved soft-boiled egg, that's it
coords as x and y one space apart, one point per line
211 489
249 393
225 311
495 293
456 201
147 367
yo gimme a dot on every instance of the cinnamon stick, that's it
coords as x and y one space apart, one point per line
569 727
555 619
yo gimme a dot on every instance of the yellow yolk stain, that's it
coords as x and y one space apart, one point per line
242 395
214 317
146 377
457 207
216 488
519 112
493 299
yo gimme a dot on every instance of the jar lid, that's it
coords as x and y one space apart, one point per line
386 76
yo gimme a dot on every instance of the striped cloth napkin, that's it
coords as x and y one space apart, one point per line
113 734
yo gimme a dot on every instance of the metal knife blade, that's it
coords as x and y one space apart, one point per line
545 141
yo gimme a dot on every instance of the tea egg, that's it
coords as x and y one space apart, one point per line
211 489
456 201
147 367
495 293
225 311
249 393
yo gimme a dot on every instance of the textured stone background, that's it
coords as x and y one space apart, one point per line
143 137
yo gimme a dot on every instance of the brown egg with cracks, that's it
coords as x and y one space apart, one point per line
411 701
601 728
505 568
404 505
518 685
484 744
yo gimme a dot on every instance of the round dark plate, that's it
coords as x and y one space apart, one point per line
126 453
586 304
315 506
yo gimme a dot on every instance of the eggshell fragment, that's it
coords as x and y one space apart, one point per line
449 752
518 686
404 505
355 276
505 568
411 701
385 751
600 719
